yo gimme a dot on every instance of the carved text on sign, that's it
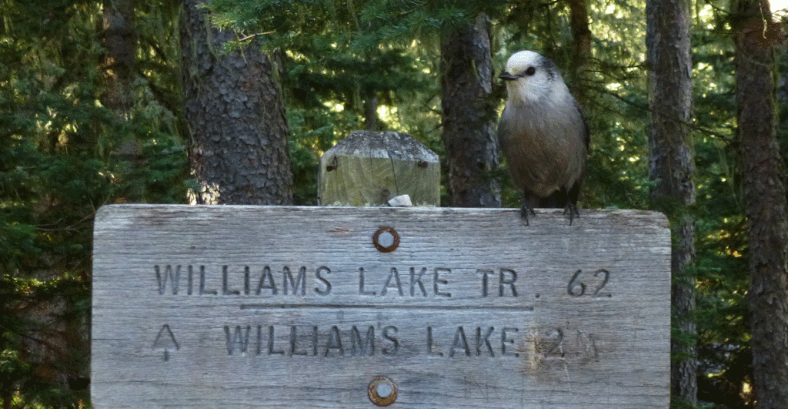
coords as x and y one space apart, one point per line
404 282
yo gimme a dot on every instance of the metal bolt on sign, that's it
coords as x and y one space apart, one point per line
382 391
386 239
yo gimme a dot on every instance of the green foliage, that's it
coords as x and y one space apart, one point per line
63 155
721 233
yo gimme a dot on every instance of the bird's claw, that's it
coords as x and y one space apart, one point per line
571 208
524 210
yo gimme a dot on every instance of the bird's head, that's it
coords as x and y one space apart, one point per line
530 77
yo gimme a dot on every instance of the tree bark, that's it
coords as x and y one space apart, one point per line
236 117
581 39
119 38
763 177
469 115
371 110
671 168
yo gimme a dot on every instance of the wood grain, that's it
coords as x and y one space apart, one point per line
472 309
369 168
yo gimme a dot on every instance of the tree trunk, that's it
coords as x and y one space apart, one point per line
371 110
469 115
120 60
119 66
236 117
671 168
581 38
763 177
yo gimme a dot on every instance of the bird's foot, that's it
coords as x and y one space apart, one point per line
571 209
524 210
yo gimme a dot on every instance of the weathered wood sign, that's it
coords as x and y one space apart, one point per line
327 307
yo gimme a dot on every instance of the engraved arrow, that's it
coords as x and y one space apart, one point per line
165 339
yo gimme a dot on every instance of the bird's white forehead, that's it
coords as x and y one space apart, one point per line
521 60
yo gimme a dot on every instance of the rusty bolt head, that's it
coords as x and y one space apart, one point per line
382 391
386 239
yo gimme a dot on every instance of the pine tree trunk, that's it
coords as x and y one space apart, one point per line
119 66
764 182
469 116
120 60
671 168
236 117
581 39
371 110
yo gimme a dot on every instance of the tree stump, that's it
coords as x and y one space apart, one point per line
369 168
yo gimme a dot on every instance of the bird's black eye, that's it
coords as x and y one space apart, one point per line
530 71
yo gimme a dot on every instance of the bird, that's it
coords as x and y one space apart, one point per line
543 135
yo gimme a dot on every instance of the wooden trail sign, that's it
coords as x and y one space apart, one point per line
329 307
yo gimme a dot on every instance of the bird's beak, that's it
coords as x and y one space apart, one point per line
507 77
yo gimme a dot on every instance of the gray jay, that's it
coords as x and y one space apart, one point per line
543 135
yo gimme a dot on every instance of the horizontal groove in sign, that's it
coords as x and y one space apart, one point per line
526 308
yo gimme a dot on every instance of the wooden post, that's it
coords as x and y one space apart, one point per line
369 168
340 307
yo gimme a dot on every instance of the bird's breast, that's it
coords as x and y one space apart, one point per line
544 151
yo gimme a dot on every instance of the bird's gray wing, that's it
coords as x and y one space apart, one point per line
587 134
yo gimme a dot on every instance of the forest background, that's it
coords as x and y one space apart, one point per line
93 111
